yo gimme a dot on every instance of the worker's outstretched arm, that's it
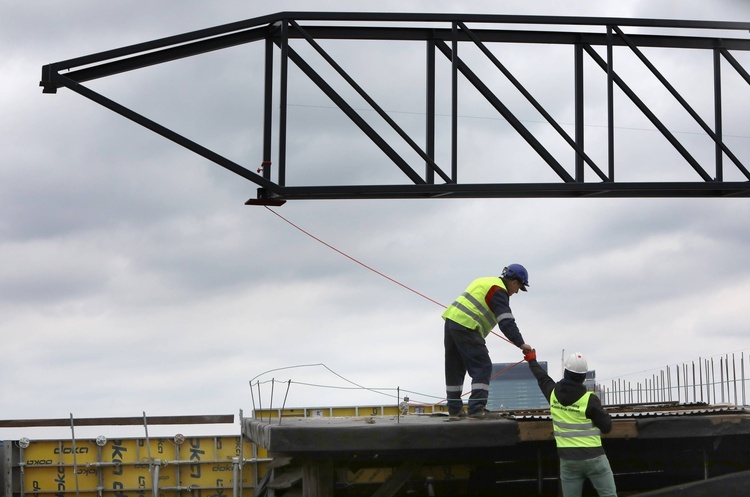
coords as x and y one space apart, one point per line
546 384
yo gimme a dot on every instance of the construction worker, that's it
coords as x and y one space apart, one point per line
468 321
578 419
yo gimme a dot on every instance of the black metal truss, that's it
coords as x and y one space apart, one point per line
444 33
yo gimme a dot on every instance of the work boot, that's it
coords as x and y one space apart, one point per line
458 416
485 414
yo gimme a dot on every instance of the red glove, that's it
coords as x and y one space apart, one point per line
530 356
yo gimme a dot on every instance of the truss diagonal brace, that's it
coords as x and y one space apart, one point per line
506 113
710 132
530 98
370 101
355 117
649 114
168 133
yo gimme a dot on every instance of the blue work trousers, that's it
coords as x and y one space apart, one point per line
574 472
466 351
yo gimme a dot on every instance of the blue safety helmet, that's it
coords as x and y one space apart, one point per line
517 272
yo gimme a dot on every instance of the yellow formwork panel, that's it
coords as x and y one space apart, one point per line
261 453
50 452
51 466
247 492
345 411
59 478
132 476
348 411
128 466
209 462
285 413
81 494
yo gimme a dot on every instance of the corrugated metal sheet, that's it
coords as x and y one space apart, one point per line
648 410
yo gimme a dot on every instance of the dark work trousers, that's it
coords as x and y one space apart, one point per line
466 351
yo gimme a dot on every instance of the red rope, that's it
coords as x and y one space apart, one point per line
386 277
355 260
494 376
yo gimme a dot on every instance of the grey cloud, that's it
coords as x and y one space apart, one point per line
135 265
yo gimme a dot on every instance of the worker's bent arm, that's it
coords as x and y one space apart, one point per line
596 413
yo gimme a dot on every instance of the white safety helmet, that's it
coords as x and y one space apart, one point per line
576 363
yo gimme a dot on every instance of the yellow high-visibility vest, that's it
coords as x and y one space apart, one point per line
471 309
571 426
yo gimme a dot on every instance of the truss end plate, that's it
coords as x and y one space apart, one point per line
271 202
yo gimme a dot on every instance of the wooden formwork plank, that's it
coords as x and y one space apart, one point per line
541 431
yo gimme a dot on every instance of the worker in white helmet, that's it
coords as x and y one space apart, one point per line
578 420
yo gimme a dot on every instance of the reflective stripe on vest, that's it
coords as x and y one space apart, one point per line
571 426
471 309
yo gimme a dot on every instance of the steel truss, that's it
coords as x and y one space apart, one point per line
445 34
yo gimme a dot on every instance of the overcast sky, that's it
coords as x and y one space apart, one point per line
134 279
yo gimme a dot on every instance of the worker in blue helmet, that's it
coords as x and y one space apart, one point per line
468 321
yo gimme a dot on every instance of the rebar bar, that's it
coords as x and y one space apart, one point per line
736 381
691 382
